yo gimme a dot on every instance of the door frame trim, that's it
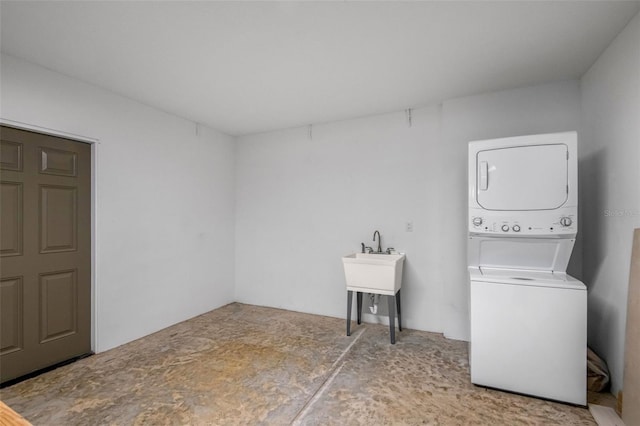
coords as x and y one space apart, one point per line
95 143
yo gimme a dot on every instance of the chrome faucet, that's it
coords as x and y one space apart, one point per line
379 241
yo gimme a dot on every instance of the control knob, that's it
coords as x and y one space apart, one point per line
516 228
477 221
566 221
505 227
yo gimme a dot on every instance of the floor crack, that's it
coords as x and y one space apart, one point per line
335 369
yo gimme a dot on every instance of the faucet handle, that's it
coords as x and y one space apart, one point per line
390 249
369 249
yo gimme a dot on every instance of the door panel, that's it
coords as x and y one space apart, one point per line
11 211
11 317
58 221
10 156
46 251
523 178
58 162
58 307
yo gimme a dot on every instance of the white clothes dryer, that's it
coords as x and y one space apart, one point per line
528 317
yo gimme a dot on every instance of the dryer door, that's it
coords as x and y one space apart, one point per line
531 177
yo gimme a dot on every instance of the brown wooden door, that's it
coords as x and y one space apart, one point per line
45 251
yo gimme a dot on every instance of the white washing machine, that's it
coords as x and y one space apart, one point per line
528 317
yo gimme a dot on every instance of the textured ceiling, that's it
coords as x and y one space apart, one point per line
247 67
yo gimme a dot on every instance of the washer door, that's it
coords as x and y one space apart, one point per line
531 177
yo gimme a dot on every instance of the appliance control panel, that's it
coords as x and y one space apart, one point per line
483 222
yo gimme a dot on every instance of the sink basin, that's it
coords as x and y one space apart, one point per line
373 273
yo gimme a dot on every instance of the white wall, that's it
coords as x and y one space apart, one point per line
545 108
165 201
302 204
610 193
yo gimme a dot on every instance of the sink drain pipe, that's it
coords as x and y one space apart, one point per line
375 299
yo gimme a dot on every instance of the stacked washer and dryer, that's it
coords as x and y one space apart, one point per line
528 317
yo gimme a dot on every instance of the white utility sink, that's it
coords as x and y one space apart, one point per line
373 273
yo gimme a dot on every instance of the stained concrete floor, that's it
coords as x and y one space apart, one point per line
243 364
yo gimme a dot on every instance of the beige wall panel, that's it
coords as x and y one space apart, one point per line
631 385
